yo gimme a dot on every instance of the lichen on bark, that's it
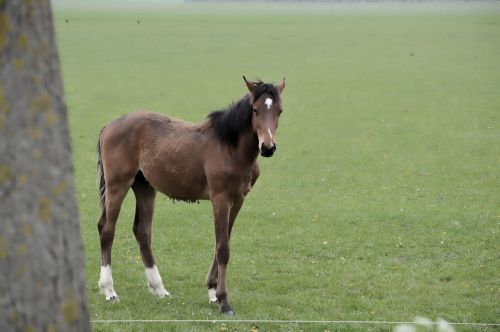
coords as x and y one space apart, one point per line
42 286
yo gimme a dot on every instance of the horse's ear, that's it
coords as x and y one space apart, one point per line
250 84
281 85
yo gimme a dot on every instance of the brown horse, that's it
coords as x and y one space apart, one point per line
215 160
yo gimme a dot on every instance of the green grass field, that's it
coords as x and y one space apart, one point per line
383 199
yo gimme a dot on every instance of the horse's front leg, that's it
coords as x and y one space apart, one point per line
213 272
221 207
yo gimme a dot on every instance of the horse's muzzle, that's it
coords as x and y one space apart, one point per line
267 152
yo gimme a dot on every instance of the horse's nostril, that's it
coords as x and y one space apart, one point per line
267 152
264 147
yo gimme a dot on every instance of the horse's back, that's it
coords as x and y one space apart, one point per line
153 123
169 152
147 127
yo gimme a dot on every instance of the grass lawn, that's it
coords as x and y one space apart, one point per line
382 201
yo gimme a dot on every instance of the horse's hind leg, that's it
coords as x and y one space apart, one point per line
145 201
212 281
115 193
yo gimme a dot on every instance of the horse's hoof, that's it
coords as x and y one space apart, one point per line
113 299
111 296
159 291
226 309
162 296
162 293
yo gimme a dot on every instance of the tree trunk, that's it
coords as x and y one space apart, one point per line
42 284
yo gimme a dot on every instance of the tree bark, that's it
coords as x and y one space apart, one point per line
42 284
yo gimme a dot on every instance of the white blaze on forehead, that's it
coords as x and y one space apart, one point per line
268 102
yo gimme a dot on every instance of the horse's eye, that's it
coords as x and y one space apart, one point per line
255 111
280 111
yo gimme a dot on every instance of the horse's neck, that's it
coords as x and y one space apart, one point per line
248 147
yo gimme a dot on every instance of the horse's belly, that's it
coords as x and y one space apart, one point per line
179 185
175 168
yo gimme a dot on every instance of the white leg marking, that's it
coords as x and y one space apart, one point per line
211 295
269 103
106 283
155 284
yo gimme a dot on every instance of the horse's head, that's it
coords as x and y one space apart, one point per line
266 102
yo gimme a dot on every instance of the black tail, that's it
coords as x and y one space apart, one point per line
100 173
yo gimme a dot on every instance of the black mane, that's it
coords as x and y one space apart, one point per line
237 117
